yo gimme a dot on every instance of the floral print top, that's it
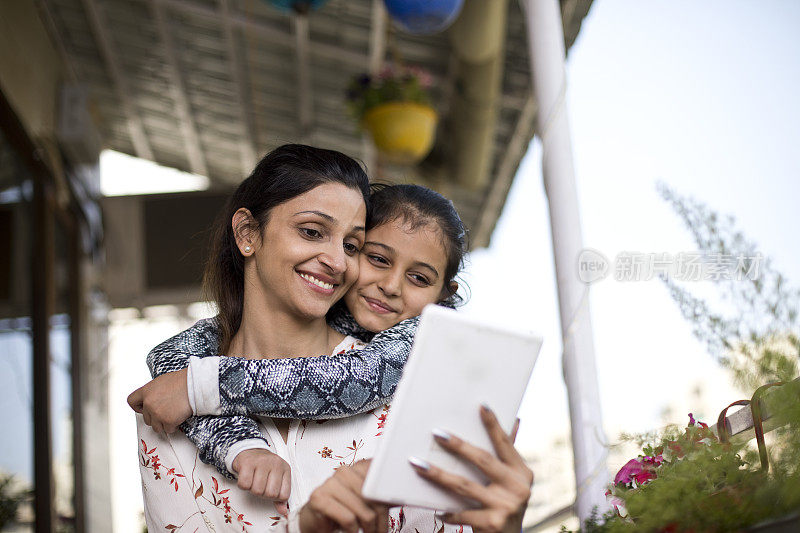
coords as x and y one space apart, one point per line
181 493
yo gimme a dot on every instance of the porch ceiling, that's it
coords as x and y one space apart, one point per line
208 85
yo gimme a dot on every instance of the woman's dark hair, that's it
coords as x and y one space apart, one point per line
284 173
416 206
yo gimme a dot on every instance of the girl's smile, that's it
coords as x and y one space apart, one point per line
379 306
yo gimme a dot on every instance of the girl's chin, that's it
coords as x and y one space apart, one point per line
371 322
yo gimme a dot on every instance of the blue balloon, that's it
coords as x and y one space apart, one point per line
423 17
297 6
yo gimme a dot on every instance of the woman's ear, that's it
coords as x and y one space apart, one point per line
244 231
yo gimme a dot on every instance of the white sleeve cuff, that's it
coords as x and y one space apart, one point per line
239 447
202 381
190 388
293 525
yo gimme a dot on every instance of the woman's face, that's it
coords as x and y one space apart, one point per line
401 272
307 256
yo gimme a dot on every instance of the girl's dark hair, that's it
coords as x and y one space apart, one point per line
416 206
284 173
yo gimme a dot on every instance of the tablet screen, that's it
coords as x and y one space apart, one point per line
456 364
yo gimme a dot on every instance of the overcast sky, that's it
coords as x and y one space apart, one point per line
701 96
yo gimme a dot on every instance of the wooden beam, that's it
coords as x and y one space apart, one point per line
305 104
43 281
273 33
75 292
76 223
52 28
377 55
498 187
377 37
194 152
248 149
98 25
42 303
277 34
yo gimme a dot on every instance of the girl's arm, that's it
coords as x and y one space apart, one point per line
309 388
216 436
213 436
173 354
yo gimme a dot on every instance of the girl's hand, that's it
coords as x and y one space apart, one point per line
504 499
338 505
163 402
266 475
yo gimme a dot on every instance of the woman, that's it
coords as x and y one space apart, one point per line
291 286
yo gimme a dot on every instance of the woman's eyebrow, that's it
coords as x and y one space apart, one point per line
326 216
331 220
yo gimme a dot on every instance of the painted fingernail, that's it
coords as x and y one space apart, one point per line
486 409
416 462
441 434
441 515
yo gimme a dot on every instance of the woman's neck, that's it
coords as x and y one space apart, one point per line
267 333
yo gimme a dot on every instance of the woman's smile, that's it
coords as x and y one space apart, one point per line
319 282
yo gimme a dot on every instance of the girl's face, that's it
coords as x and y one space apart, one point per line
401 272
307 255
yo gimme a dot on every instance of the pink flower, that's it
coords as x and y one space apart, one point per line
639 470
616 502
654 460
626 473
676 448
386 73
645 475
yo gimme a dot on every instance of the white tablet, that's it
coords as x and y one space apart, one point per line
456 364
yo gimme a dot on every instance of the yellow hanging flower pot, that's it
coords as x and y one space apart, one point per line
394 107
402 131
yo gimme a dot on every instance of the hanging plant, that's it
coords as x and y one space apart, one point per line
300 7
394 107
423 17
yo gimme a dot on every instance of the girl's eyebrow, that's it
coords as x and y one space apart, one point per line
393 251
381 245
327 217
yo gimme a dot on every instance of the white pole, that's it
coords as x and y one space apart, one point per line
546 48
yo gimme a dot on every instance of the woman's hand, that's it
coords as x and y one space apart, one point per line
164 402
504 499
338 505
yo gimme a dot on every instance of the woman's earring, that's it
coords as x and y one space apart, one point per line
247 249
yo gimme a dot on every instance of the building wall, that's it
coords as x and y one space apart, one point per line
31 78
